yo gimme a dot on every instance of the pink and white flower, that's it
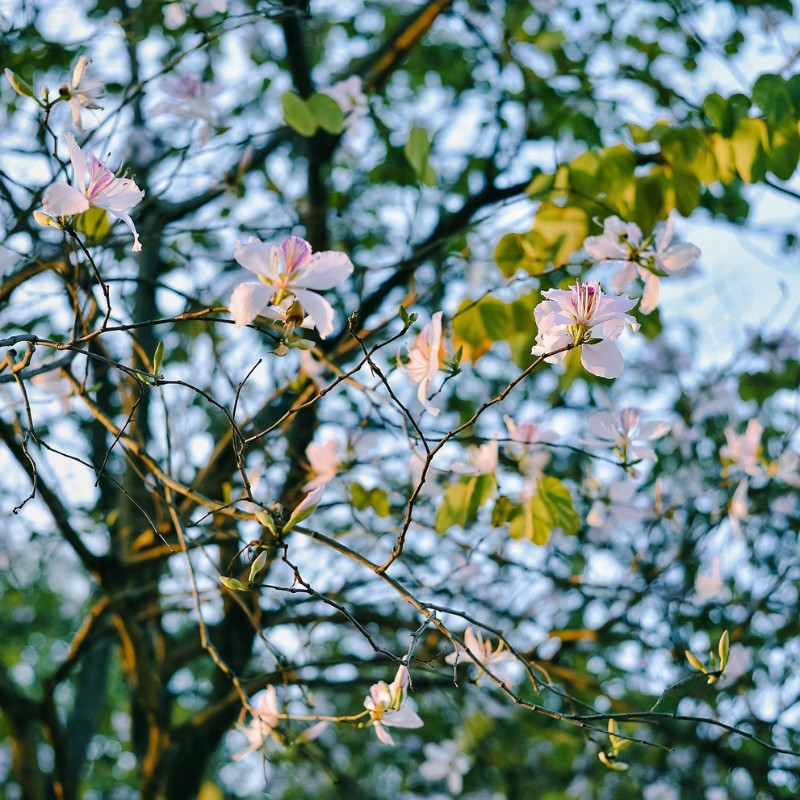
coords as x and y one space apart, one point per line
82 92
95 187
289 270
481 460
619 242
743 452
621 432
190 98
263 723
425 358
527 440
385 703
583 316
350 97
481 653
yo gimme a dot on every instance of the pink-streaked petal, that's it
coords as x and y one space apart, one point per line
318 308
256 256
120 195
651 292
62 200
602 359
295 253
248 300
327 270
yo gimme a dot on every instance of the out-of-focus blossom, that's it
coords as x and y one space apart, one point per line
742 453
583 316
190 98
787 468
82 92
263 723
481 653
424 360
324 461
288 270
385 703
350 97
619 242
527 440
619 505
621 431
445 761
715 400
738 510
95 187
709 584
175 13
481 460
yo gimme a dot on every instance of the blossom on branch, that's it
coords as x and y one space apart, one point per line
621 431
584 317
324 462
425 358
350 97
95 187
290 270
82 92
262 725
481 653
190 98
385 705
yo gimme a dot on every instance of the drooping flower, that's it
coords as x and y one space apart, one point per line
425 358
350 97
190 98
288 270
82 92
324 461
445 760
743 452
583 316
263 723
621 431
481 653
385 703
94 187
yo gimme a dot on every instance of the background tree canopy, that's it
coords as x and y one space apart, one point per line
219 539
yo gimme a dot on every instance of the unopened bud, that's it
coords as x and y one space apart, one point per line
46 221
20 86
294 314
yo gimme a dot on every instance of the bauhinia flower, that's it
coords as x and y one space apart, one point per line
94 187
262 725
481 460
290 270
583 316
743 452
619 242
82 92
480 653
385 703
350 97
445 760
621 431
527 440
425 358
190 98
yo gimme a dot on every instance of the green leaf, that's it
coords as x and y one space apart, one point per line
784 149
761 385
549 509
298 114
477 325
771 95
715 107
93 223
749 155
376 498
462 500
417 151
328 113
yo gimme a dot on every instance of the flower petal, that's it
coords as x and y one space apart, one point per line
328 269
62 200
247 300
78 159
404 718
318 308
602 359
137 246
257 256
651 292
